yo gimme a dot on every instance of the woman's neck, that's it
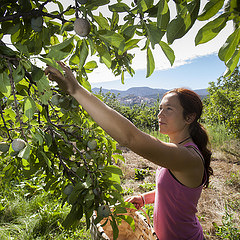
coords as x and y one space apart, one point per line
180 138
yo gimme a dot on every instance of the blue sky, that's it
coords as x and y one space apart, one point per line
196 74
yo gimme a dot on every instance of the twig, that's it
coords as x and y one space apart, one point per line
53 132
36 13
5 125
43 4
15 99
67 169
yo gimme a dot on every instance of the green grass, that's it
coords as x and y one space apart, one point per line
35 216
218 135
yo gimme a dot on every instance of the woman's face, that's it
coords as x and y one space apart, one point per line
171 120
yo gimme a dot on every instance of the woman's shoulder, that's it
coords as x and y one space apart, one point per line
195 148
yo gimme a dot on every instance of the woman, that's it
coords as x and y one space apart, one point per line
184 163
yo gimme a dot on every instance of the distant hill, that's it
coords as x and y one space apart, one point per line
145 92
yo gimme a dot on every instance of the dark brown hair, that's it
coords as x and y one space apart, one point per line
192 104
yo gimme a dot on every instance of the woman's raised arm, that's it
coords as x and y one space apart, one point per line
118 127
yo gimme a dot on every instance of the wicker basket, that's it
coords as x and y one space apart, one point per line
143 228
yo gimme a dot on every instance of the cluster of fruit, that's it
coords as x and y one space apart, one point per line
17 145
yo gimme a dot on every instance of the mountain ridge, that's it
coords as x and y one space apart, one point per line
144 91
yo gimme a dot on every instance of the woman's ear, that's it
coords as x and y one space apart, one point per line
190 118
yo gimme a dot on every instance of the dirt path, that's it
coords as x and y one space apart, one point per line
224 187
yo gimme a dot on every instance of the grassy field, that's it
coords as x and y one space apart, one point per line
28 212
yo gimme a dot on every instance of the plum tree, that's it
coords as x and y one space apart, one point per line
56 130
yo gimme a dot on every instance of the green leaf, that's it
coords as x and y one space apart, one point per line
193 9
46 159
38 137
60 6
18 74
102 22
129 31
52 63
90 66
129 220
211 8
113 169
169 53
83 53
104 55
74 60
112 38
25 153
5 86
211 29
85 83
117 157
94 4
150 62
4 50
184 20
229 47
44 89
119 7
10 113
154 33
176 29
162 7
29 107
122 77
131 44
75 214
144 5
22 48
163 15
115 228
61 50
37 73
69 12
68 26
232 62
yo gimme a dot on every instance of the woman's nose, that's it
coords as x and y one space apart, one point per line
160 113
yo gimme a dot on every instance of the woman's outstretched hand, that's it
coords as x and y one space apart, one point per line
66 82
137 201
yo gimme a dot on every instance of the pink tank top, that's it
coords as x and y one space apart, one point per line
175 208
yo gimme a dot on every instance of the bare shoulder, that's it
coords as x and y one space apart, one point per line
192 175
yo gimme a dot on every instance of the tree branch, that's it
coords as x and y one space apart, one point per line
4 123
15 99
45 3
36 13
